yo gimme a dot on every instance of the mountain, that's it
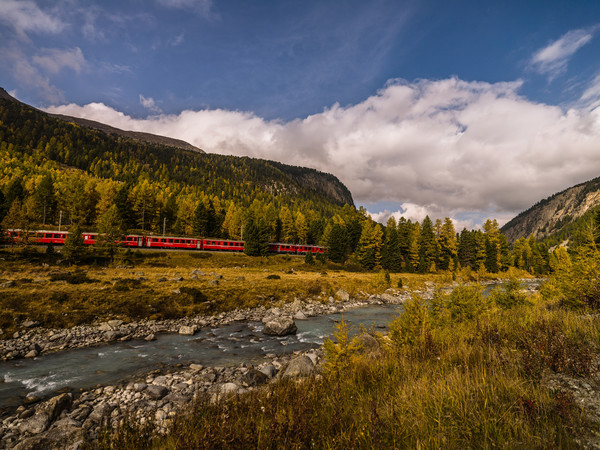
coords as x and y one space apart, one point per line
555 214
135 135
161 182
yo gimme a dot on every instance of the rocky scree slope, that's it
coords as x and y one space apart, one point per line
551 215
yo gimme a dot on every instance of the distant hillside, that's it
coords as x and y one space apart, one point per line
554 214
136 135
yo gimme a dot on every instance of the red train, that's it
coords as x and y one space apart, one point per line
162 242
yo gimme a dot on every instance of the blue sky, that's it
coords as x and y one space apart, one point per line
331 83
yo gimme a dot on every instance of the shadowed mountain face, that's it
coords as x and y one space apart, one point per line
135 135
551 215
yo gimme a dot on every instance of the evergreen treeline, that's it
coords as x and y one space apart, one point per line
427 246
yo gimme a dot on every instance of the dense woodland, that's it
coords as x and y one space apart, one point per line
56 173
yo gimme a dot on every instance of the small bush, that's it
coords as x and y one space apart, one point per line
314 288
273 277
72 277
399 283
309 259
509 295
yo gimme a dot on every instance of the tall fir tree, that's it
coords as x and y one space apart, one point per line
391 258
369 246
428 247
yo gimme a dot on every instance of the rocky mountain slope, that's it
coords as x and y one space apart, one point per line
551 215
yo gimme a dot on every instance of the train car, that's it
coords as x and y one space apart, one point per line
222 245
283 248
133 240
304 249
37 237
173 242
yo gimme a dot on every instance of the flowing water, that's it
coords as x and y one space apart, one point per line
114 363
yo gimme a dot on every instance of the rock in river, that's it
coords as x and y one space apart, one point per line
280 326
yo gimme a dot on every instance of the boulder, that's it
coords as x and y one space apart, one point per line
36 424
300 316
300 366
343 295
101 411
56 405
280 326
269 370
188 330
369 346
254 378
156 392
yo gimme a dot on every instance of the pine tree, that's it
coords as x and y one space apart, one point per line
369 246
428 247
336 244
413 249
110 232
391 258
74 250
448 245
256 236
45 198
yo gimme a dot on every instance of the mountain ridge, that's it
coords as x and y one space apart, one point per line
141 136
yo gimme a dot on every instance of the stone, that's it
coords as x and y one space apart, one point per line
31 354
188 330
198 273
300 316
160 415
114 324
196 367
29 324
101 411
343 295
280 326
81 413
177 279
161 279
56 405
254 378
269 370
7 284
369 346
213 283
112 335
150 337
139 387
156 392
36 424
161 380
300 366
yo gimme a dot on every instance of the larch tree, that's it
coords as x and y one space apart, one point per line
369 246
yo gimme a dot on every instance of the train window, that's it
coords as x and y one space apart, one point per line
57 236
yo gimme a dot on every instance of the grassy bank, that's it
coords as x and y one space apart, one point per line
457 372
38 287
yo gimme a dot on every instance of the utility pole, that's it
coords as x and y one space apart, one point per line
164 224
60 220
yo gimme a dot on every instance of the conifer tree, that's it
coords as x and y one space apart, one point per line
391 258
428 251
288 229
336 244
413 250
110 232
45 198
369 246
256 237
448 245
74 250
301 228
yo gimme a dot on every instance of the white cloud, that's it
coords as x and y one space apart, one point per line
442 148
54 60
149 104
552 59
25 16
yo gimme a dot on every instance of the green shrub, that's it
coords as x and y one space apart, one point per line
509 295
